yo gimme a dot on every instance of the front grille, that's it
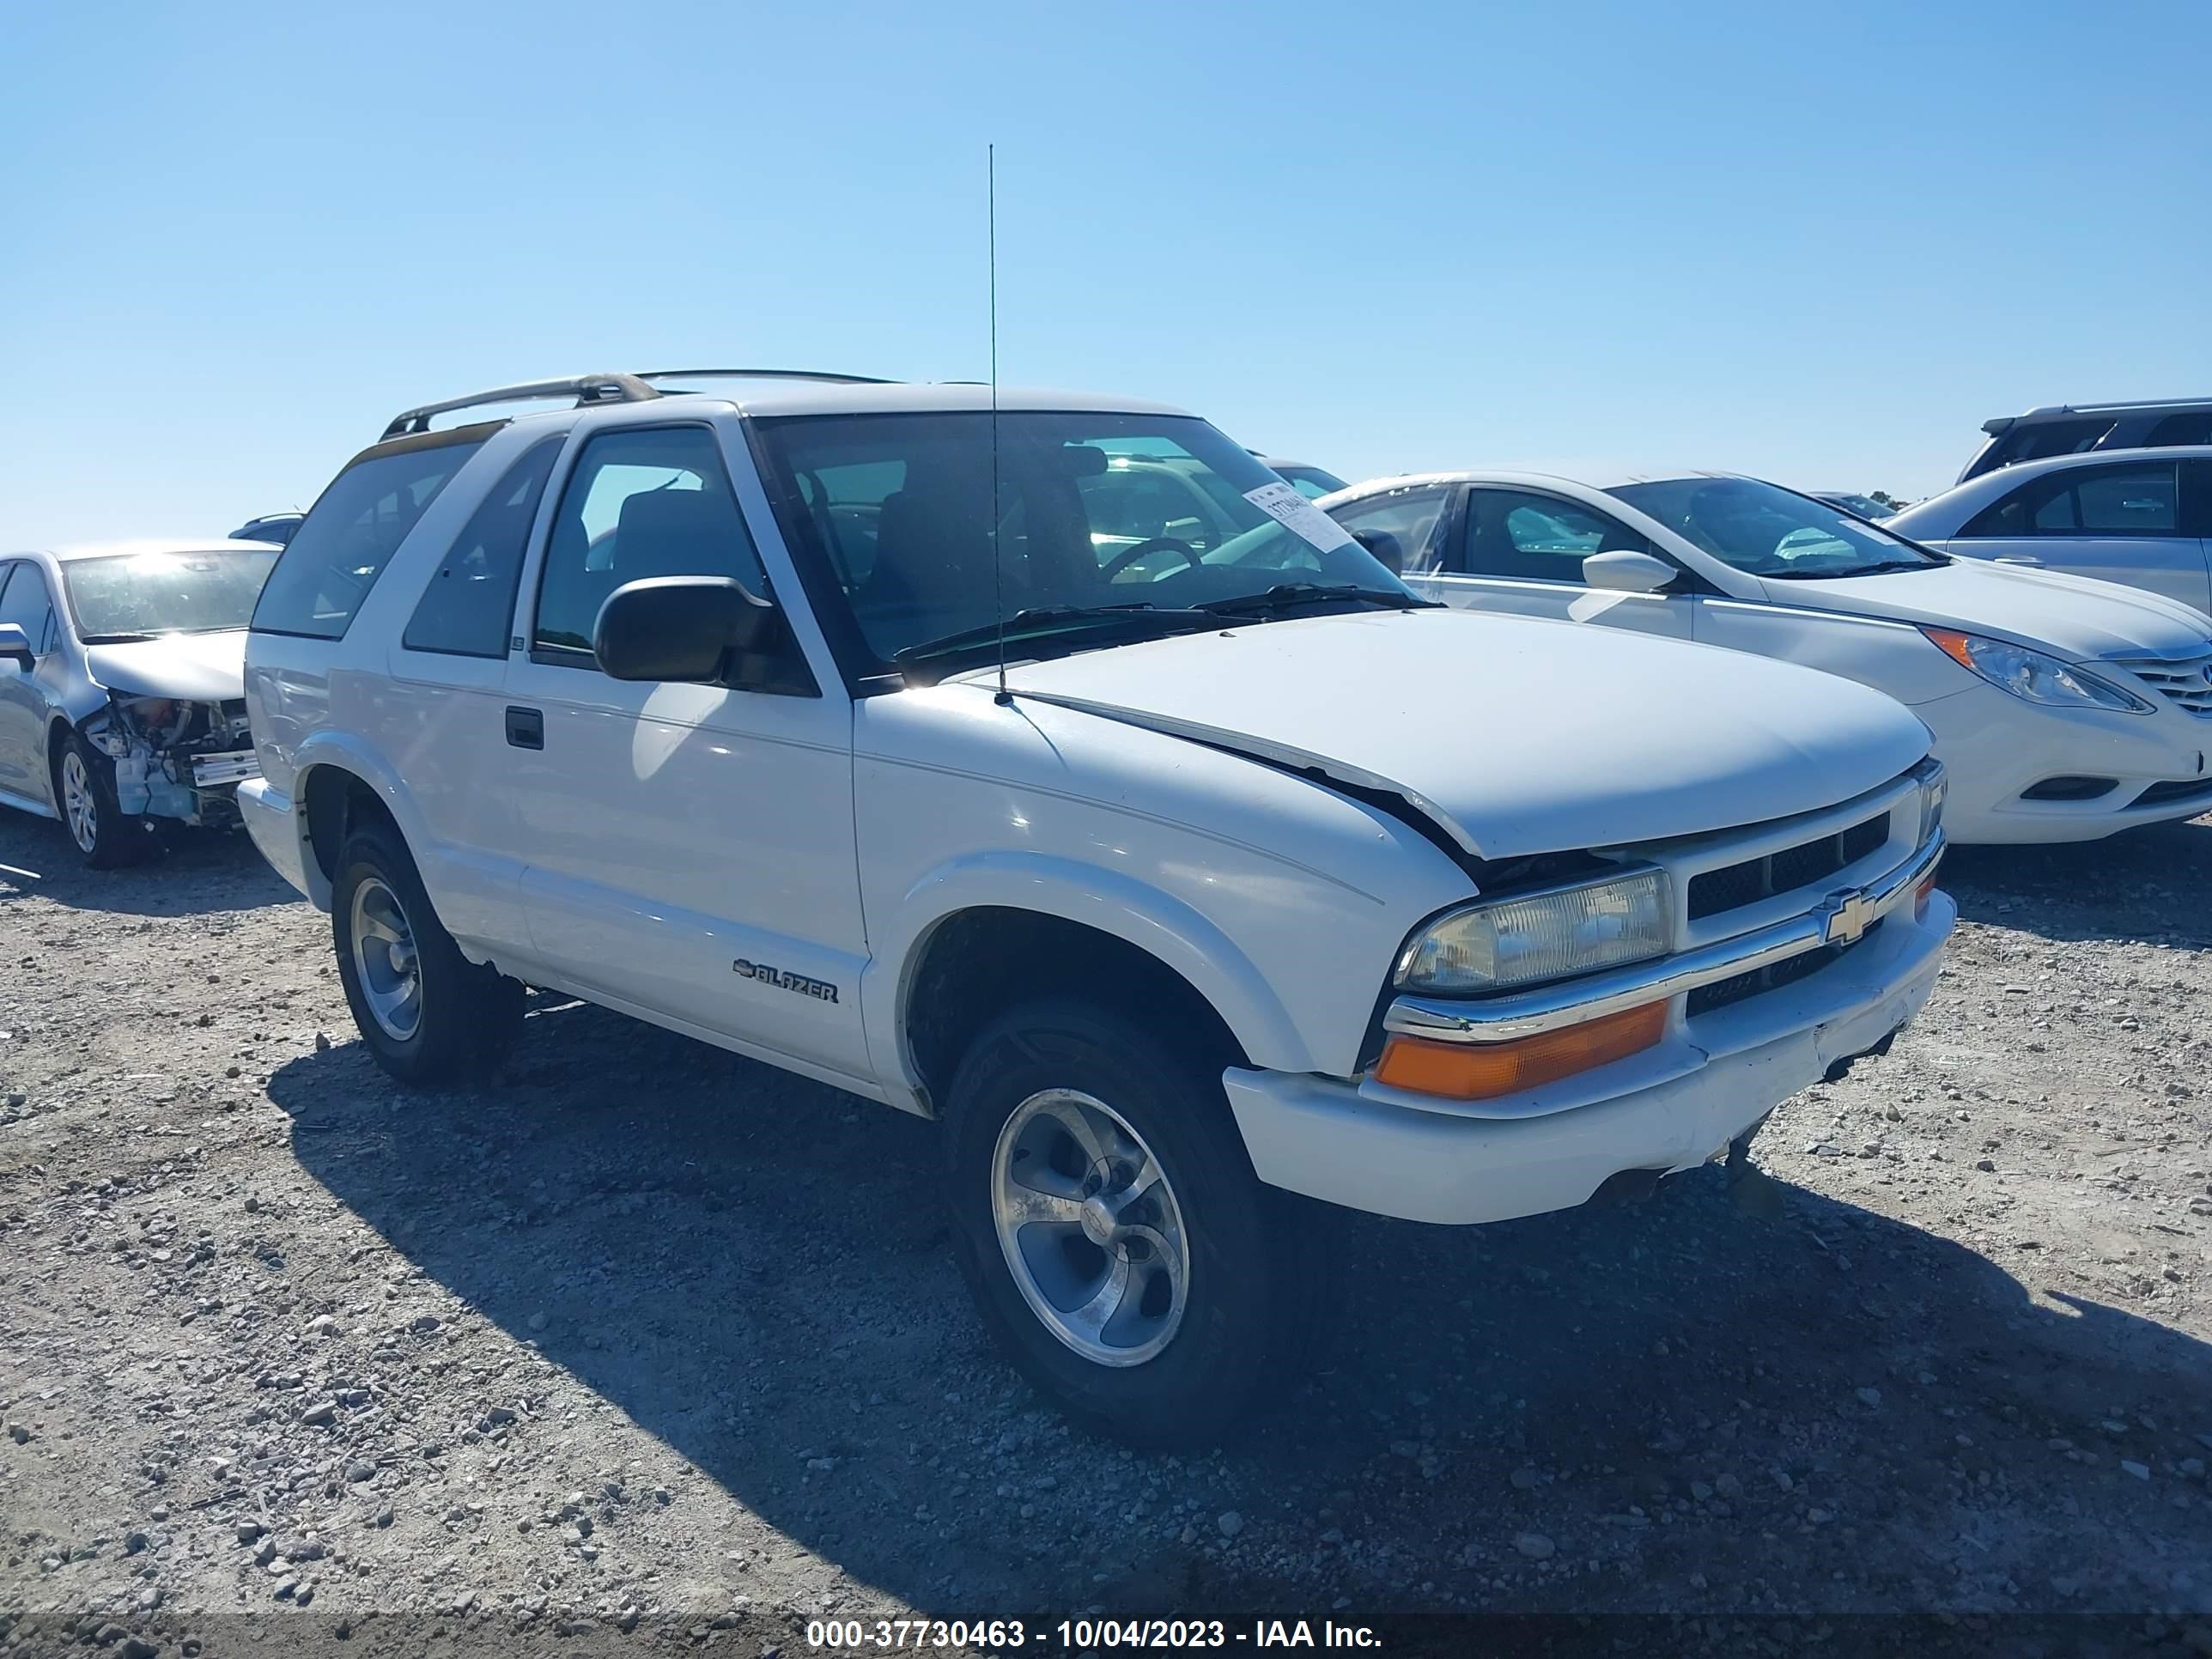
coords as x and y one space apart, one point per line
2188 684
2159 794
1722 992
1734 885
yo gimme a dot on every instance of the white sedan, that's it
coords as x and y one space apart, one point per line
2066 708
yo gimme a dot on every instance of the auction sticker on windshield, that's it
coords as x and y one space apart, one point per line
1283 503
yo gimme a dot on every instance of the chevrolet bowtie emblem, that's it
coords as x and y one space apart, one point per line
1850 915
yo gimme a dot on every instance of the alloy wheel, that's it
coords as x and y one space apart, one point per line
1089 1227
384 959
79 805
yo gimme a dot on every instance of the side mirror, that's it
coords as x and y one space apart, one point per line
1627 572
680 627
16 646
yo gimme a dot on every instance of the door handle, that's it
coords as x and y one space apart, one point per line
525 728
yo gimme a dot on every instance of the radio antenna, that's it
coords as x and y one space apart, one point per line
998 570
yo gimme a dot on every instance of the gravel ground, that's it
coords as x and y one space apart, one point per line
648 1338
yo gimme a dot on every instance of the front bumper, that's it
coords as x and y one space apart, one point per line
1997 746
1669 1109
275 831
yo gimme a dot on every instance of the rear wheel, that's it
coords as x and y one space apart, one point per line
1109 1222
84 790
427 1012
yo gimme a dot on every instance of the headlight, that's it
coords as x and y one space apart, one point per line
1531 937
2033 676
1935 785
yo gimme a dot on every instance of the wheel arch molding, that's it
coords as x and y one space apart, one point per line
904 994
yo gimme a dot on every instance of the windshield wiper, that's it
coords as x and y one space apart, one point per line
114 639
1053 618
1882 568
1285 595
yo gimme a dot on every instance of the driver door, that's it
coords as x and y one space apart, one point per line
687 848
24 601
1520 552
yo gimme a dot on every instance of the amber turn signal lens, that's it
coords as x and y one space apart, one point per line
1953 645
1920 895
1484 1071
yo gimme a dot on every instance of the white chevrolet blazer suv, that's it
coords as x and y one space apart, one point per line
1178 862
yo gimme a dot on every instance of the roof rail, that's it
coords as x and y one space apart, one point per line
763 374
585 389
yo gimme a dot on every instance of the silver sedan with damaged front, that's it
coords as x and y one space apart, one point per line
122 668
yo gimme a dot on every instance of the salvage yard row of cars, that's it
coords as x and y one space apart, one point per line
1050 766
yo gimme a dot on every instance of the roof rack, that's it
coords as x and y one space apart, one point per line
609 388
763 374
585 389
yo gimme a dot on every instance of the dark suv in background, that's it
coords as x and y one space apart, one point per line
2072 429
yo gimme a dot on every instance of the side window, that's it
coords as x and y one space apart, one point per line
1511 532
2140 499
2192 429
24 601
1398 528
2135 500
465 610
645 501
2007 515
351 533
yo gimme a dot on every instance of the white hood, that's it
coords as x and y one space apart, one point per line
2074 617
192 668
1517 737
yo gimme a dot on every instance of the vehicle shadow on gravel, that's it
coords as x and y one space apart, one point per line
752 1269
189 872
2152 883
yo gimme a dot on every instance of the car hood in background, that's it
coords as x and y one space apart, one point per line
2076 616
1514 736
195 668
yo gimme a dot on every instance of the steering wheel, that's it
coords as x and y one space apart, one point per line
1115 566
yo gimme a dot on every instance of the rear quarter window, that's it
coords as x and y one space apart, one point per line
350 533
466 608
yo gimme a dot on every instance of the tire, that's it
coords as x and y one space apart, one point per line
427 1012
1178 1373
84 798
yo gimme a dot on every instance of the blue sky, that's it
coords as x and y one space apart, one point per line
1821 243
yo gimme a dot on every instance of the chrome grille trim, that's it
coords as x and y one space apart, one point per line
1546 1008
2185 682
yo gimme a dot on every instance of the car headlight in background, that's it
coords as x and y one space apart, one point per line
2032 676
1528 939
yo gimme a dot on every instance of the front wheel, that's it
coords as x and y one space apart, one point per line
84 789
427 1012
1109 1222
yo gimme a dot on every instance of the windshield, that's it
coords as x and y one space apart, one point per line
1134 513
141 593
1865 506
1763 530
